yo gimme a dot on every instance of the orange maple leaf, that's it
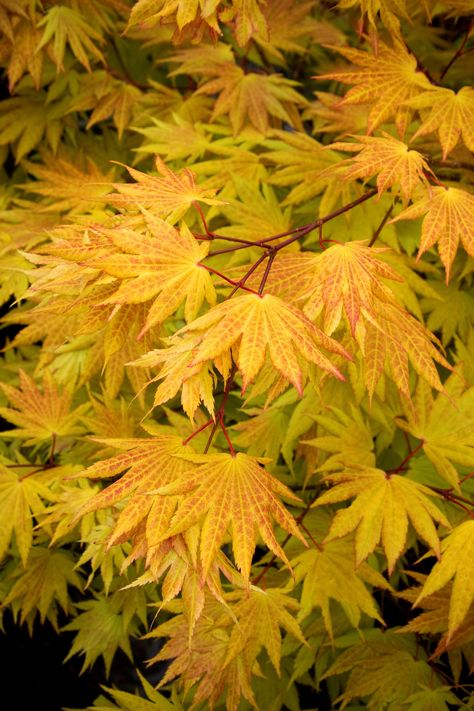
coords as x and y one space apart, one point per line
163 264
386 80
233 492
448 219
148 464
348 276
254 323
169 196
389 159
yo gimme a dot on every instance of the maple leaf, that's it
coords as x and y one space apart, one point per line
447 220
389 159
236 490
169 196
328 573
384 666
444 425
28 121
64 24
73 183
456 563
382 499
386 80
255 323
41 415
449 113
260 614
43 585
148 464
301 161
390 341
348 277
201 661
24 56
164 264
196 382
241 96
126 701
22 498
105 625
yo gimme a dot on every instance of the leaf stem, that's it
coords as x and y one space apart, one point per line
409 456
382 224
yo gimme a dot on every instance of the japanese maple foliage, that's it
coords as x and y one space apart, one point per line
236 248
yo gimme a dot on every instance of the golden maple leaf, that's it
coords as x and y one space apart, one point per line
39 415
163 264
22 497
384 504
348 278
444 425
393 339
255 323
231 490
145 465
168 197
389 159
386 80
457 562
449 113
448 219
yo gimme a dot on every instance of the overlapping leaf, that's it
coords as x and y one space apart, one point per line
448 213
386 80
234 492
384 504
148 464
163 265
251 324
168 197
448 113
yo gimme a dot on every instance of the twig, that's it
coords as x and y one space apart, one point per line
459 52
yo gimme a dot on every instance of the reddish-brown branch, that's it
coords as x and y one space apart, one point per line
459 52
219 417
266 272
382 224
196 432
237 284
297 232
406 460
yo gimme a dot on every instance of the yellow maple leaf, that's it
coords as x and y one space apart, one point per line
444 425
169 196
384 504
24 56
22 497
43 585
39 415
260 614
145 465
65 25
457 562
448 219
386 80
72 183
231 490
163 265
389 159
329 573
449 113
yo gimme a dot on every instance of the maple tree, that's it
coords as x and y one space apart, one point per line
237 387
